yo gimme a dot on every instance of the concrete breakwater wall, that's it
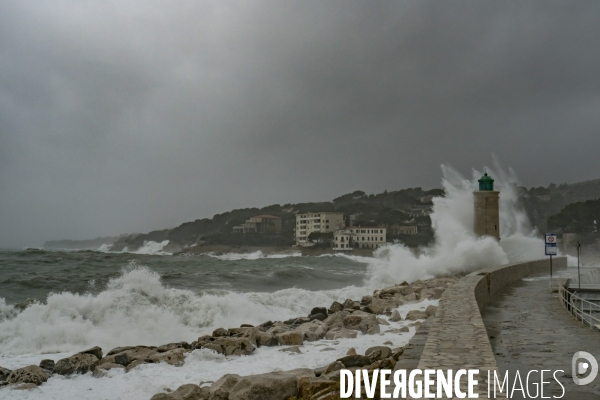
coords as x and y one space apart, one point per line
458 338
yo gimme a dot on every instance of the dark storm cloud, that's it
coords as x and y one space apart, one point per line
130 116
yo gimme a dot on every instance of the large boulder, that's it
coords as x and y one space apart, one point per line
395 317
129 354
279 328
386 363
102 370
378 353
391 290
318 317
117 350
220 389
46 364
431 310
410 298
318 310
79 363
318 388
265 338
173 346
134 364
351 304
174 357
31 374
290 338
220 332
354 361
335 318
362 321
231 346
383 306
202 340
335 307
271 386
334 366
96 350
340 333
311 331
297 321
5 372
184 392
265 325
247 332
416 314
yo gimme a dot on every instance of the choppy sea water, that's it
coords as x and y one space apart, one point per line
89 298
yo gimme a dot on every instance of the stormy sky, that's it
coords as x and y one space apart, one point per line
127 116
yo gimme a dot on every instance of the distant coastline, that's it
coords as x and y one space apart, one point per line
268 250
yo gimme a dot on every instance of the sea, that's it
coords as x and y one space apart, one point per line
81 299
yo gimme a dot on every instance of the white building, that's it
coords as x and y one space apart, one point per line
357 237
316 222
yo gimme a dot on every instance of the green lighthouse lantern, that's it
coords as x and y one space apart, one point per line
486 183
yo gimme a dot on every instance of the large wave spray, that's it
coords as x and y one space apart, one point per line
136 308
456 247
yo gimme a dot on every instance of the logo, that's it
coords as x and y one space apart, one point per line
584 363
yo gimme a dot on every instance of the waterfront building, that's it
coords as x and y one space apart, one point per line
323 222
260 223
359 237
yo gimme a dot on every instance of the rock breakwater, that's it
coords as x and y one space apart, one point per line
341 320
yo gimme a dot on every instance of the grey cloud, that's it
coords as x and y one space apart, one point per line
119 117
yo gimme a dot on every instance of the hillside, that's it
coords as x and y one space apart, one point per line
399 207
580 217
390 208
541 203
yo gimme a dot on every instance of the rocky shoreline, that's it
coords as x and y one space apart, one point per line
339 321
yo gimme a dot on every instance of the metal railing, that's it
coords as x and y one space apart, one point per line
584 310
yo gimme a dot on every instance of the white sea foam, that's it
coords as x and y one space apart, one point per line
151 247
105 248
457 248
202 365
136 308
359 259
257 255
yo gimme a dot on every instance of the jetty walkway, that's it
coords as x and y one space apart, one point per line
505 318
529 329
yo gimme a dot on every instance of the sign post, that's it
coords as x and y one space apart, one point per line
578 273
551 250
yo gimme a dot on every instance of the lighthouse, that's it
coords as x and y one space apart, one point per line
487 214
